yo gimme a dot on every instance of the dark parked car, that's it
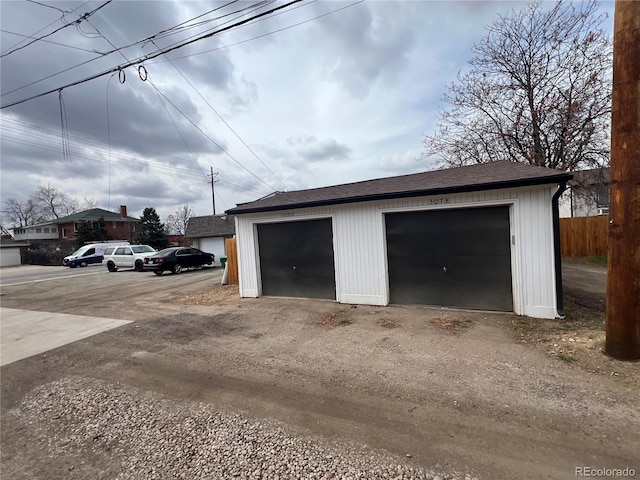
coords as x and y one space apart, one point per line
175 259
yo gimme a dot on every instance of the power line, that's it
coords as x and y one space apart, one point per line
77 22
216 143
132 163
153 55
147 39
47 26
103 54
82 144
48 41
263 35
225 122
48 6
79 143
159 96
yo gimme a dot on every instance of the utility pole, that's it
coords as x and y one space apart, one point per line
213 192
623 279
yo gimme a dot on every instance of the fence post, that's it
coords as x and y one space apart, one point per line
232 261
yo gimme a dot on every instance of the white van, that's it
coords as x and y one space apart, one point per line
90 253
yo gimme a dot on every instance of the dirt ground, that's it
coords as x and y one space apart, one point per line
497 396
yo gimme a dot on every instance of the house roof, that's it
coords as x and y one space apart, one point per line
36 225
485 176
211 226
94 214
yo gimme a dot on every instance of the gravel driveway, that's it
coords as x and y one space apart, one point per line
205 385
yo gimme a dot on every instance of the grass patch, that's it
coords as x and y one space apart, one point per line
522 324
597 260
388 323
453 326
567 358
331 320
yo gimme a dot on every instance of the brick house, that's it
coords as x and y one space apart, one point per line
118 225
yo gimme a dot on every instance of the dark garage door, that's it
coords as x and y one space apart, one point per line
457 258
296 259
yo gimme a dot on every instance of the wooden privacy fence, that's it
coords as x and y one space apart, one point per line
232 261
584 236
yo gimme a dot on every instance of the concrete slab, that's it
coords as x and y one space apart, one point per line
24 333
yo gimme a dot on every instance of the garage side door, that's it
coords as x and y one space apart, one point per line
296 259
457 258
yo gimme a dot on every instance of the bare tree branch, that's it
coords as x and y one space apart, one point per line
537 91
176 224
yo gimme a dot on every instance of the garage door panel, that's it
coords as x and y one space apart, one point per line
296 259
457 258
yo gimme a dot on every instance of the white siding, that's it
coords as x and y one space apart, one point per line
360 250
213 245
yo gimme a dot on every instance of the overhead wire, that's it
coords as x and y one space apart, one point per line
104 54
183 26
48 25
159 96
226 123
79 143
48 6
76 22
162 96
133 163
193 123
153 55
66 147
222 47
50 41
222 149
47 139
217 144
181 44
244 11
109 141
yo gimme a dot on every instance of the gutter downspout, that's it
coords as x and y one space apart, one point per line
556 246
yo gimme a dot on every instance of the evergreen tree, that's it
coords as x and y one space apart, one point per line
90 233
152 230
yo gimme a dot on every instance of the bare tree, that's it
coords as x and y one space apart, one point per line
21 214
177 223
53 203
87 204
538 91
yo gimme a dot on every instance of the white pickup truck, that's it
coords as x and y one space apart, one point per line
127 256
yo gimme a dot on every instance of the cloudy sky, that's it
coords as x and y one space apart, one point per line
315 94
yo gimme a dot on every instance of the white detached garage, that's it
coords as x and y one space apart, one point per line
479 237
208 233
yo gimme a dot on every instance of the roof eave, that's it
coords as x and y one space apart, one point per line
413 193
94 219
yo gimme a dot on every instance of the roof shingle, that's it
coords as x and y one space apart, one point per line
94 214
485 176
211 226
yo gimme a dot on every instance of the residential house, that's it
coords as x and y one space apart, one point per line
587 194
119 226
